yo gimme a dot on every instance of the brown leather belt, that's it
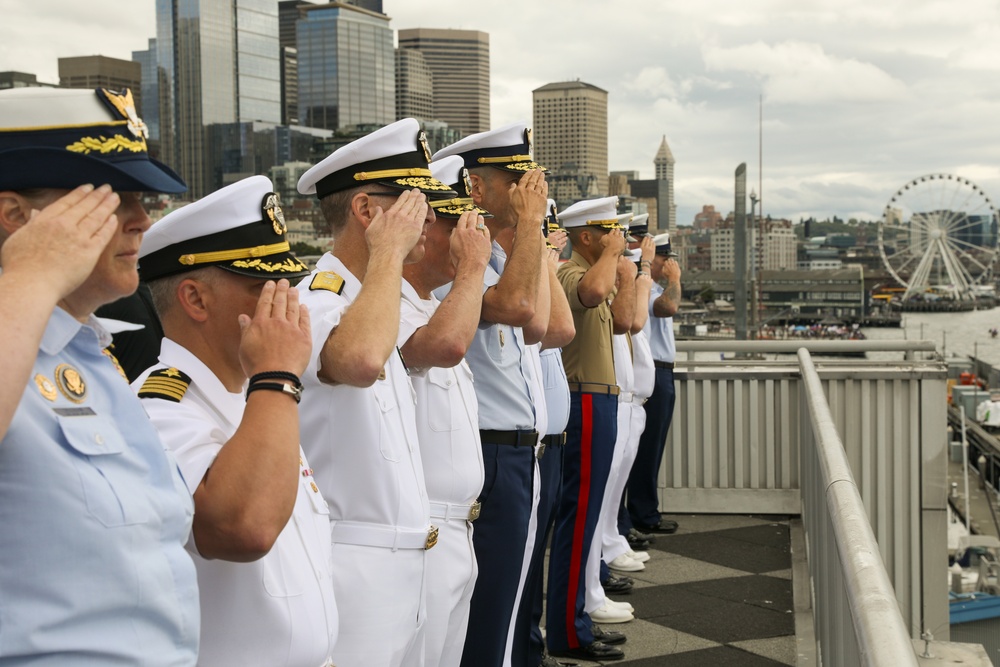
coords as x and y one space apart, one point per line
515 438
594 388
664 364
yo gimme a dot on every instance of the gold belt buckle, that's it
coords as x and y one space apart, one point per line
474 511
432 538
541 450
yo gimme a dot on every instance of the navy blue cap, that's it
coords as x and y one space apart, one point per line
64 138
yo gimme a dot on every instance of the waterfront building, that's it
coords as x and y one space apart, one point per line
777 249
221 62
459 61
570 127
709 218
347 66
837 292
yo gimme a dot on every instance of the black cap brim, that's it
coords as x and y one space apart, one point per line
43 167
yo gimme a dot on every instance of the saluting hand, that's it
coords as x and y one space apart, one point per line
529 198
647 249
60 245
613 242
399 227
626 268
470 242
277 337
671 271
558 238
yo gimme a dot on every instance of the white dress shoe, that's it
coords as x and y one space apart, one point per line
625 564
608 614
624 606
638 556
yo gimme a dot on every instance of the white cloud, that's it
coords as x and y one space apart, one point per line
802 73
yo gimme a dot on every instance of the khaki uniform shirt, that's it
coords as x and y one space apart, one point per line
589 356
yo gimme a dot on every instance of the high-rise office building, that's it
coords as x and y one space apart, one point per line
152 103
222 64
571 139
347 67
414 86
102 72
459 61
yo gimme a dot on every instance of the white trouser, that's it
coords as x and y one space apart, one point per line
451 577
380 594
631 419
529 547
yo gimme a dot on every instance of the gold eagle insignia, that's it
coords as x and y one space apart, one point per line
169 384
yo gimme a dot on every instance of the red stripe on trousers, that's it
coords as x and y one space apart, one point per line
579 527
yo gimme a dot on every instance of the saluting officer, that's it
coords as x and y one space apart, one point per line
224 399
433 338
94 512
357 412
589 279
510 185
642 499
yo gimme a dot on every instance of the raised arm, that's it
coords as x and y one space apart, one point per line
534 331
561 329
356 350
668 303
46 255
445 339
623 304
247 496
512 301
643 284
599 280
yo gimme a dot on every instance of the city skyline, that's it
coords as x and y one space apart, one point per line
857 100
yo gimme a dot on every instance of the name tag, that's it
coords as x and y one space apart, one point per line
74 412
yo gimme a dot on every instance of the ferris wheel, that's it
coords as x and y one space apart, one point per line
939 234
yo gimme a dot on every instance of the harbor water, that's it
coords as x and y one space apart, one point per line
964 334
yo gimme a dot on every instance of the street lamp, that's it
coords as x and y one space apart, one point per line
753 264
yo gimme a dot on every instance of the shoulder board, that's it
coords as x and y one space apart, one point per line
169 384
327 280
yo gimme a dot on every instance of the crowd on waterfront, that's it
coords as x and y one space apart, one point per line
817 330
213 455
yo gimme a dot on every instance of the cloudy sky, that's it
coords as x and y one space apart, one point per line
859 97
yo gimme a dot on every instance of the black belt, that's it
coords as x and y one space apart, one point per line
664 364
594 388
554 439
516 438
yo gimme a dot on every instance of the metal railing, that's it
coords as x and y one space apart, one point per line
857 617
743 436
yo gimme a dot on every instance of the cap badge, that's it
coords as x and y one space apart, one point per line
125 105
71 383
466 181
272 211
422 140
527 138
45 387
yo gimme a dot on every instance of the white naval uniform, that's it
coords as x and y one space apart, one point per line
634 372
448 431
278 610
362 442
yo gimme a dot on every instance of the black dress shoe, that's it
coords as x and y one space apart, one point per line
549 661
636 544
616 584
635 534
608 637
666 526
595 651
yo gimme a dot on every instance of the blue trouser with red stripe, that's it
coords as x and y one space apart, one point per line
590 445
